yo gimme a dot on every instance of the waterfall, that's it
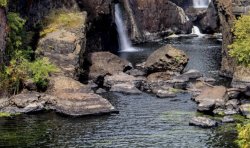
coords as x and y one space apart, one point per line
201 3
124 42
196 30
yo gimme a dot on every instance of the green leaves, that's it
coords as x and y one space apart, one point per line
240 49
243 136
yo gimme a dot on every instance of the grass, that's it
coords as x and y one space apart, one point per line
62 19
3 114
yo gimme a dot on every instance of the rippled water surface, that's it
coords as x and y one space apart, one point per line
144 120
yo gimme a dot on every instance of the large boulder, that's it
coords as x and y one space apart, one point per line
245 108
106 63
166 58
65 47
211 98
124 83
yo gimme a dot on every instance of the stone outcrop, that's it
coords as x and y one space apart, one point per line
226 18
3 33
166 58
64 47
165 18
212 98
106 63
241 77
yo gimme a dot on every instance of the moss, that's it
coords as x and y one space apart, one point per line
3 114
3 3
61 19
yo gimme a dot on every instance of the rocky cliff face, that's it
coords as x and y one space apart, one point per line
3 31
226 18
160 17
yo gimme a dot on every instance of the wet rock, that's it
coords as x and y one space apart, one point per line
127 88
166 58
227 119
206 106
167 93
197 87
79 104
213 97
203 122
106 63
193 74
245 108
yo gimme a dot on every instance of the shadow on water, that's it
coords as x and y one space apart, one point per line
144 120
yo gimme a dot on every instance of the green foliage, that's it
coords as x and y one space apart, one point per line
3 3
16 34
20 67
243 136
39 71
240 49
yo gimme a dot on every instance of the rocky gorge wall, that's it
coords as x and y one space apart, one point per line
3 33
226 18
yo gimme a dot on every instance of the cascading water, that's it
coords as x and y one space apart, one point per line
124 42
201 3
196 30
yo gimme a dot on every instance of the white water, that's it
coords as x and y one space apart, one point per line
196 30
124 42
201 3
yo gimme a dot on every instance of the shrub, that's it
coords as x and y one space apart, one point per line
243 136
240 49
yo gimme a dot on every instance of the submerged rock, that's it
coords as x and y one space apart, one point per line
203 122
166 58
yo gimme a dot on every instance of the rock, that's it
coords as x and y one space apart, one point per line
30 85
241 77
203 122
193 74
79 104
228 119
206 106
100 91
206 79
214 97
106 63
245 108
167 93
135 72
197 87
64 47
174 19
226 19
127 88
122 78
166 58
62 84
233 93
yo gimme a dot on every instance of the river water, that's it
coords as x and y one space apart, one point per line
144 120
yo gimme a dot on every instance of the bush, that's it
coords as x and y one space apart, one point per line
240 49
244 136
20 66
